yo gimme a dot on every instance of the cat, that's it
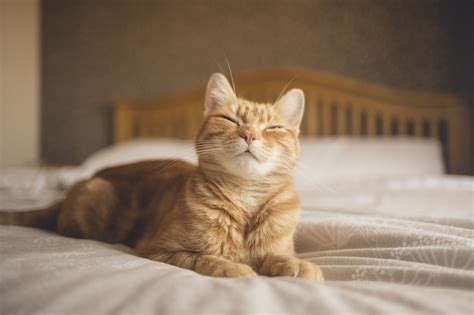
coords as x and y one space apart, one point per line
234 214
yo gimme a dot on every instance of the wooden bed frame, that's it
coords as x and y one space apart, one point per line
335 105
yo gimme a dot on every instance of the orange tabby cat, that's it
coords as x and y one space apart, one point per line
234 214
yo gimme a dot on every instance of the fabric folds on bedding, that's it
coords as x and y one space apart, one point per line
385 247
405 251
372 265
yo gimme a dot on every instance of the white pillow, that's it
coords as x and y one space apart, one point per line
139 150
323 160
336 159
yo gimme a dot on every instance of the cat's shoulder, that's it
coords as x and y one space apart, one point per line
149 168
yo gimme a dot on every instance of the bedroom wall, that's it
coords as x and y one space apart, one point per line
19 82
95 50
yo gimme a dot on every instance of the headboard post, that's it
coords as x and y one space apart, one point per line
124 117
459 141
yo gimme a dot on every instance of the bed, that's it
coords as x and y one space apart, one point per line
385 212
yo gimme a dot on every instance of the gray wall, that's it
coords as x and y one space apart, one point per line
95 50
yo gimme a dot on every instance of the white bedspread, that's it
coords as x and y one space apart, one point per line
381 248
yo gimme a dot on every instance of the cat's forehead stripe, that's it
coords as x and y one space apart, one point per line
256 112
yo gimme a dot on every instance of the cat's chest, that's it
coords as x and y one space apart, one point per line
250 239
249 202
235 245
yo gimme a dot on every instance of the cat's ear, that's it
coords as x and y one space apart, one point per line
291 106
218 92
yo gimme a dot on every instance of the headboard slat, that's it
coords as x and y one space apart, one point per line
341 119
310 125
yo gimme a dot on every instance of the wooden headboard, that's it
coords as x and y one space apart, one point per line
335 105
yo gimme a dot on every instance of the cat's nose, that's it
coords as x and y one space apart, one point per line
249 138
248 133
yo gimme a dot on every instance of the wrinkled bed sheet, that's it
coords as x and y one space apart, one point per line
400 246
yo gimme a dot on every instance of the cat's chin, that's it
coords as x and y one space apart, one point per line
247 154
247 165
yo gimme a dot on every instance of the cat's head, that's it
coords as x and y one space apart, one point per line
245 138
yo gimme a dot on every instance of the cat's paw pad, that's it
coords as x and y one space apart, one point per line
288 266
281 267
308 270
233 270
239 270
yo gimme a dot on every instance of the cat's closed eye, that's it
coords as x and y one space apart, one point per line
229 119
274 127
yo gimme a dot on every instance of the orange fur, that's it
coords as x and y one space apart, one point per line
234 214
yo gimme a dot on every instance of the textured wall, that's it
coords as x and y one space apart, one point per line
94 50
19 83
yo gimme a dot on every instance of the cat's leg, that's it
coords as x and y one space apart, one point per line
275 264
208 265
90 211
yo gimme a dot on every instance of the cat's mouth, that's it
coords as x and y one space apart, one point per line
249 154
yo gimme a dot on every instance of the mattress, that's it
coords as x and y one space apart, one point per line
392 246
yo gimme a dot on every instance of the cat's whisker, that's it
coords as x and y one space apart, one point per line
219 65
284 89
231 76
302 169
161 167
315 184
307 171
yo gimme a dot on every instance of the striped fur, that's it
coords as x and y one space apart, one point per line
234 214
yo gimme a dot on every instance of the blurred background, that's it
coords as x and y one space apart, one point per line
62 62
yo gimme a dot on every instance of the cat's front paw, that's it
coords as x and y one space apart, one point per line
275 265
216 266
238 270
232 270
308 270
